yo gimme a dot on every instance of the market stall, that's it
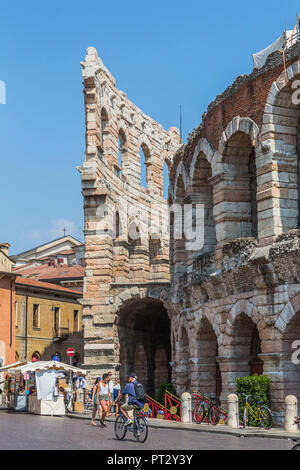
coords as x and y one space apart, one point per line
42 387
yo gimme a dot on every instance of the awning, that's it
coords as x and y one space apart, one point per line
43 365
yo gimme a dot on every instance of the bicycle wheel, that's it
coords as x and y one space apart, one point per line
199 413
265 417
141 432
296 447
214 415
120 428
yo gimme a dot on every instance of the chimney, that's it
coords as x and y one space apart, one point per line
5 248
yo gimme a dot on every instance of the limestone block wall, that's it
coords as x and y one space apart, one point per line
126 223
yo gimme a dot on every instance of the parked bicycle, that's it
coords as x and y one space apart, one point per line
260 414
139 428
206 409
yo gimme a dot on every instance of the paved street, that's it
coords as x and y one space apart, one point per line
23 431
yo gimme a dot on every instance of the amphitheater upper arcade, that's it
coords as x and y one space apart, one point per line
234 301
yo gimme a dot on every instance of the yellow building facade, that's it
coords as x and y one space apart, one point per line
48 321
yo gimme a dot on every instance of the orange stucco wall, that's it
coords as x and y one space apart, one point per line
7 319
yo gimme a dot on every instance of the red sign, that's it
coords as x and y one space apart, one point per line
70 352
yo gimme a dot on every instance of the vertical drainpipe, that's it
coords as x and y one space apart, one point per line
26 324
11 315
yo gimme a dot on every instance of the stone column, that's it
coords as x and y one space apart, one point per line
203 374
277 367
233 411
231 368
291 412
186 408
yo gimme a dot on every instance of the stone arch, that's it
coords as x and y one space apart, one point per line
244 330
143 328
201 194
288 326
280 139
105 127
239 124
204 375
204 147
236 186
180 172
183 375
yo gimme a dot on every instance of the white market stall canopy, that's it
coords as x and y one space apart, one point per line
43 365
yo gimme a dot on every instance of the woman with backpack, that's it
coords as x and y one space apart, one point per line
93 396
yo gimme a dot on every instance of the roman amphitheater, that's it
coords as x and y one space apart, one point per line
197 314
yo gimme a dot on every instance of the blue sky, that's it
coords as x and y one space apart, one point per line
162 54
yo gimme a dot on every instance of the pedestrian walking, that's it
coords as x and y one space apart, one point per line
95 401
116 394
111 389
104 397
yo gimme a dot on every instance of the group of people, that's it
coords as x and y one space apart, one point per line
106 393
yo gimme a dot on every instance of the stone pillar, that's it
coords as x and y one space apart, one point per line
276 368
233 411
203 374
291 412
186 408
231 368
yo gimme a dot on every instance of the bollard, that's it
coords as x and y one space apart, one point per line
186 408
233 411
291 412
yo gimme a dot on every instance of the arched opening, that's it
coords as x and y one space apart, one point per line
287 116
144 335
183 363
246 347
290 358
144 159
36 357
104 129
201 193
207 351
166 180
121 151
239 201
178 237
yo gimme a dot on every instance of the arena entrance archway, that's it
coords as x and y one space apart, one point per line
145 346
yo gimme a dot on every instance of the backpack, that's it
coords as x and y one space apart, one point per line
139 392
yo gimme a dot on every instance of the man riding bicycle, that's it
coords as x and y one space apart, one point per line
133 402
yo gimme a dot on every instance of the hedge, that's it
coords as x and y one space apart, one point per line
259 387
160 397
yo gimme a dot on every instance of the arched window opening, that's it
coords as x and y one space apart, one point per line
166 180
104 126
144 158
240 187
121 151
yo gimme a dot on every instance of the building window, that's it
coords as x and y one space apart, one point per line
76 320
56 318
35 316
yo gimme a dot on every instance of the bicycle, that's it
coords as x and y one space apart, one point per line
206 408
139 428
263 415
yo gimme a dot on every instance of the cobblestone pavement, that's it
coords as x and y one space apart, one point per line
23 431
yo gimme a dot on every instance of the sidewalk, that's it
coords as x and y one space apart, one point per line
275 433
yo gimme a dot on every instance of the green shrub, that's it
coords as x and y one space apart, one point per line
257 386
160 397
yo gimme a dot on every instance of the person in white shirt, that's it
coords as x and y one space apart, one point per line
111 389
